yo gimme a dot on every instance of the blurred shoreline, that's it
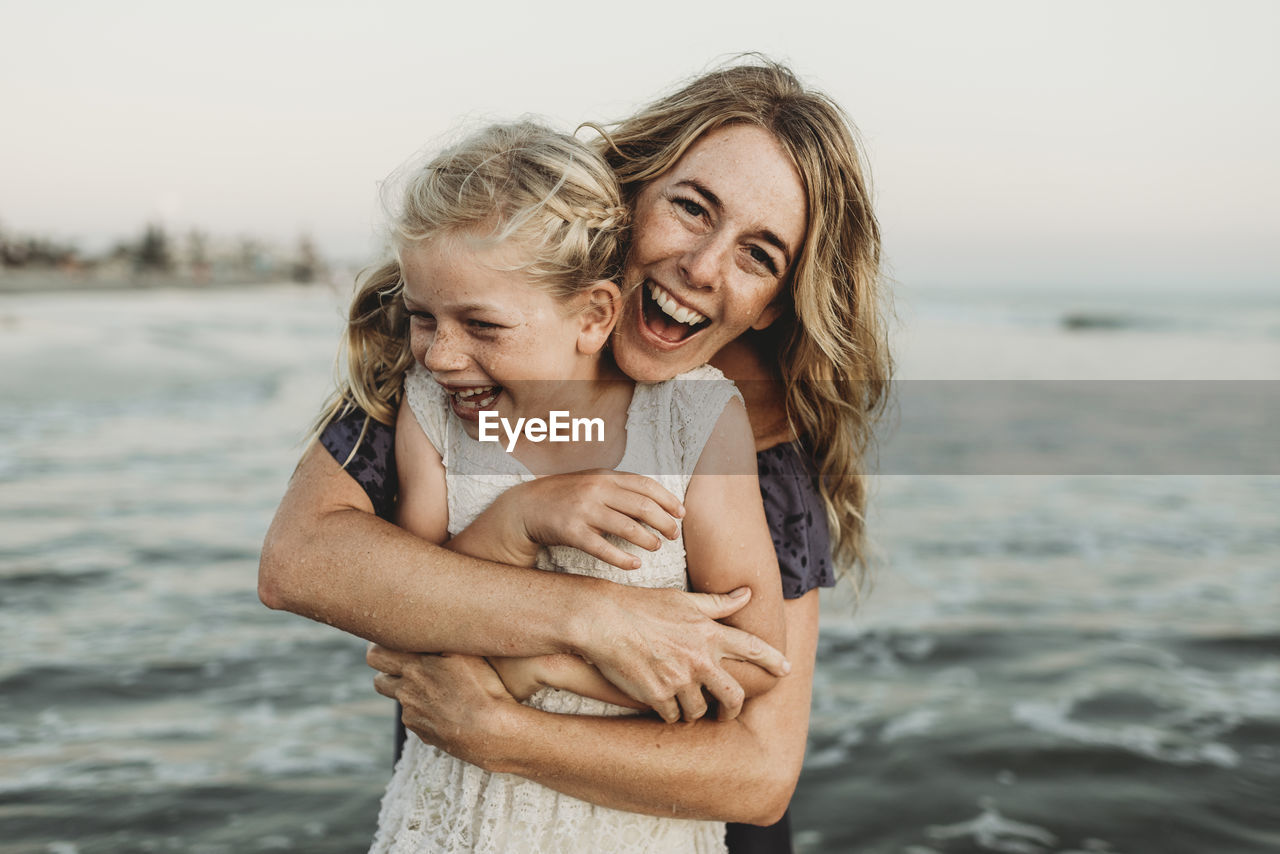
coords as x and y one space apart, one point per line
59 281
157 259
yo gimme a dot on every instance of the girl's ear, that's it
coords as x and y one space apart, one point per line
599 305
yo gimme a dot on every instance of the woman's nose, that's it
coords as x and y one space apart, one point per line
703 264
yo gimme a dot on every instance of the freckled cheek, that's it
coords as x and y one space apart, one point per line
519 352
739 310
656 239
418 344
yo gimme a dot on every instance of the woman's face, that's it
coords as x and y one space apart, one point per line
713 241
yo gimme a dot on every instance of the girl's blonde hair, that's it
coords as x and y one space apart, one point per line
520 181
831 343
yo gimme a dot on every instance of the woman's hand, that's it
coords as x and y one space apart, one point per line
635 763
660 647
663 648
446 698
576 509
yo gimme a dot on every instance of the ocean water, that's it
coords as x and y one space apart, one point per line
1055 659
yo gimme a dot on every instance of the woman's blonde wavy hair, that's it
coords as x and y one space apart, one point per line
831 342
519 181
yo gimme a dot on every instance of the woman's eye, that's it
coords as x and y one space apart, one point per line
482 324
764 259
422 318
690 207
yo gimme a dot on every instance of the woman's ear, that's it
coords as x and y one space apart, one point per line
599 306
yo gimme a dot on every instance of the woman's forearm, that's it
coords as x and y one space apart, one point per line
328 558
742 770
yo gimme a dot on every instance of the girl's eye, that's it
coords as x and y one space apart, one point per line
482 324
422 318
764 259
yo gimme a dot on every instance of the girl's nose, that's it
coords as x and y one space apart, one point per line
444 352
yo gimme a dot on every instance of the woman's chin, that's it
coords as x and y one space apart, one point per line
647 356
646 363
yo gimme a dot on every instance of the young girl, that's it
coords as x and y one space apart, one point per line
505 251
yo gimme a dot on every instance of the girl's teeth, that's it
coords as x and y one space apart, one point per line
477 397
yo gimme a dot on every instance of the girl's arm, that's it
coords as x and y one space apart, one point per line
524 677
742 770
422 506
728 544
576 509
329 558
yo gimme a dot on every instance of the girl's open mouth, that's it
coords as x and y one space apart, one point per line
665 318
467 402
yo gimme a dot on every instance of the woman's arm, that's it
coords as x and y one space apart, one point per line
726 541
742 770
423 510
329 558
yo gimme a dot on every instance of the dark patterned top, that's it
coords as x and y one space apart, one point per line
797 519
374 463
792 505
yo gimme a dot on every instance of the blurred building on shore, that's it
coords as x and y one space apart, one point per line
155 258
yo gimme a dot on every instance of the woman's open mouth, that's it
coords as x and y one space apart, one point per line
665 318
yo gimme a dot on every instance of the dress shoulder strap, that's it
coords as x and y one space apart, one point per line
427 400
697 400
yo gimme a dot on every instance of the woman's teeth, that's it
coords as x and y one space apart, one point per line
673 309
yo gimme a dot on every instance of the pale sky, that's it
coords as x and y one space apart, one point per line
1098 143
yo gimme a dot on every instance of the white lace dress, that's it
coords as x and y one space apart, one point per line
436 803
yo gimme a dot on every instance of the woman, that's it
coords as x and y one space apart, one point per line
755 248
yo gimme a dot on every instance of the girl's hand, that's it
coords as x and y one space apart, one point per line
576 509
521 676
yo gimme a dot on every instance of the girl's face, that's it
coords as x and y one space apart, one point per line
713 241
490 337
